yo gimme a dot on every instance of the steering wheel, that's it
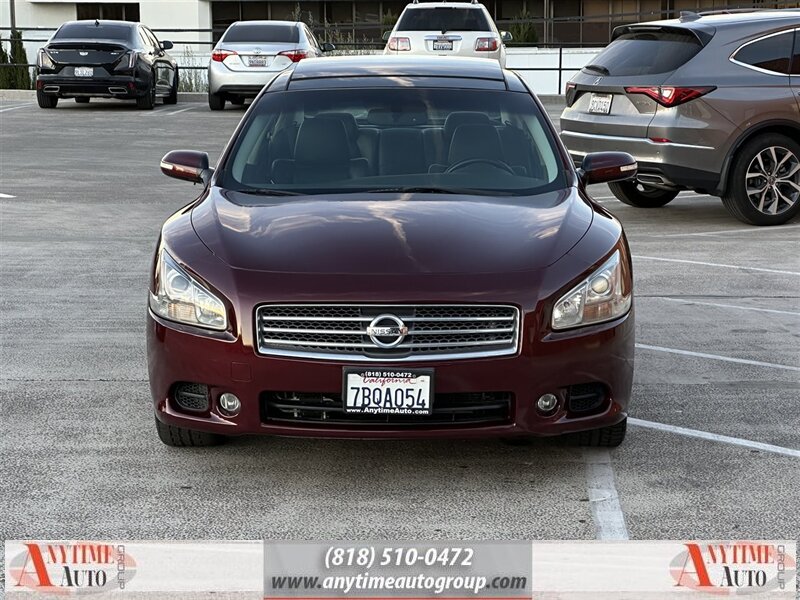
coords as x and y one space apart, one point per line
499 164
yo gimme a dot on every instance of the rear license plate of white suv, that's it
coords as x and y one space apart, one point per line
257 61
444 45
600 104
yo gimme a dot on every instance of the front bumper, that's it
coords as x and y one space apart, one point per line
550 364
106 86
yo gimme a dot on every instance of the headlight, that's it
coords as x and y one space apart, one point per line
603 296
44 61
180 298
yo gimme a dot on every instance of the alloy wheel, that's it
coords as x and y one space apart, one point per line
773 180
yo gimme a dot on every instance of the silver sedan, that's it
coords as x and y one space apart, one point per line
250 53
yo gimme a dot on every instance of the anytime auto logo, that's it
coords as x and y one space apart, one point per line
68 568
734 568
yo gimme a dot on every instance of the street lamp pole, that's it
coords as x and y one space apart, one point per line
13 15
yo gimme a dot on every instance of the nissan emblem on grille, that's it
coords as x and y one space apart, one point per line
387 331
371 332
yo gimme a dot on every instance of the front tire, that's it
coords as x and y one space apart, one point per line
148 100
605 437
173 93
178 437
764 185
216 101
46 100
635 194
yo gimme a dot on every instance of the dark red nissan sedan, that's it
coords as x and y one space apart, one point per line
389 248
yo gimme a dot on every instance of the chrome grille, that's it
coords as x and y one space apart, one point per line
431 332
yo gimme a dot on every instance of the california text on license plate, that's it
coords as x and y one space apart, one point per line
84 71
600 104
388 391
443 45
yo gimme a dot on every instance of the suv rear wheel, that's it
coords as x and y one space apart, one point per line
764 185
635 194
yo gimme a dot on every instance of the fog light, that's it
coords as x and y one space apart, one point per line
229 404
546 402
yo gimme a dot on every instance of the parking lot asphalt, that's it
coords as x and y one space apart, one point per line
713 451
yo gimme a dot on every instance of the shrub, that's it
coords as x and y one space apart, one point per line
524 31
5 71
21 75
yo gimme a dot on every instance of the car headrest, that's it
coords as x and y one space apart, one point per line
322 140
348 120
456 119
475 141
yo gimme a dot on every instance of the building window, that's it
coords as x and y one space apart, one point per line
114 12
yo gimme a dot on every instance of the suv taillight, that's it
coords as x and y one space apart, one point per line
486 44
220 55
294 55
671 96
400 44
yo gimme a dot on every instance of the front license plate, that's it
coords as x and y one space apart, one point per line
447 45
257 61
84 71
388 391
600 104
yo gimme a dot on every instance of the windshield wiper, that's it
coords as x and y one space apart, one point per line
268 192
436 190
598 69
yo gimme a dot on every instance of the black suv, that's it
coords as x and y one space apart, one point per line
106 59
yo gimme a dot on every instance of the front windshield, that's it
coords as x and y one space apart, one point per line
394 139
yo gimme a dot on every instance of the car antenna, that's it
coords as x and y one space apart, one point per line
96 23
687 16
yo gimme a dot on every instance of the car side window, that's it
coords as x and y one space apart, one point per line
153 39
796 54
770 54
312 39
145 41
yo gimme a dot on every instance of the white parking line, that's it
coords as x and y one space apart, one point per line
741 230
705 435
715 304
6 196
710 264
741 361
169 114
609 522
2 110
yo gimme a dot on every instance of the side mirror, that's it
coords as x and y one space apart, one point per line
602 167
506 36
188 165
328 47
167 45
386 35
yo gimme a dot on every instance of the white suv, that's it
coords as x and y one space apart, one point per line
447 29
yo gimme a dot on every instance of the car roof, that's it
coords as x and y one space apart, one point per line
102 22
399 66
445 5
265 22
692 20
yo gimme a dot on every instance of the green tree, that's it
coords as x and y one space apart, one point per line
22 76
5 71
524 31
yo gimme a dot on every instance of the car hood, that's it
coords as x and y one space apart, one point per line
391 233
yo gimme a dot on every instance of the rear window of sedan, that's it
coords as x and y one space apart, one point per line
252 33
103 31
442 18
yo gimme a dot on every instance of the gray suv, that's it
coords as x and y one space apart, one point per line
708 102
